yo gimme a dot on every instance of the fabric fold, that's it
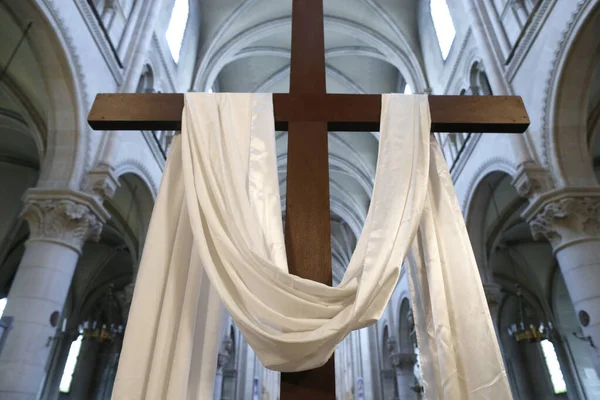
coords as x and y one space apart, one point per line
223 222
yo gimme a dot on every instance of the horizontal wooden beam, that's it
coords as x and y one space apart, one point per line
343 112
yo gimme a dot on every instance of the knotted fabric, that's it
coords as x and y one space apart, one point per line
216 236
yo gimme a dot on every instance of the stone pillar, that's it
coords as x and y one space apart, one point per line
493 294
403 364
405 375
59 223
222 360
570 220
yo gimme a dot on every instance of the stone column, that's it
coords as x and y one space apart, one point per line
570 220
404 364
59 223
493 294
222 360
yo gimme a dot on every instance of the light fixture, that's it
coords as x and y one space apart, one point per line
528 332
103 326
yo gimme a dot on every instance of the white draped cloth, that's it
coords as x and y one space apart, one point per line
216 238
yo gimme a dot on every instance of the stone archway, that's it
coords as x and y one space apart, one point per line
566 149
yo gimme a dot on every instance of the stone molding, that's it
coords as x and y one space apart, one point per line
516 4
493 294
65 217
224 353
403 361
399 360
531 180
98 36
531 32
565 215
562 46
103 182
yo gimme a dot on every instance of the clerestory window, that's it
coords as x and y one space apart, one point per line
176 29
444 27
556 376
67 377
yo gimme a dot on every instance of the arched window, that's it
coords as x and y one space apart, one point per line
556 376
442 22
146 82
67 377
2 306
176 29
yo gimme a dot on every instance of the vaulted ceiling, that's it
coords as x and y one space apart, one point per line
372 46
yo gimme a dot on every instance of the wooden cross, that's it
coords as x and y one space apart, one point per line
308 113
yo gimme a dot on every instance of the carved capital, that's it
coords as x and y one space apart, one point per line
403 361
103 182
68 218
531 181
566 217
493 294
224 352
399 360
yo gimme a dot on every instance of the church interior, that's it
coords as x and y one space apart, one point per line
75 204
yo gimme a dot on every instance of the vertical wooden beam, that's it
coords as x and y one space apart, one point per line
308 226
307 69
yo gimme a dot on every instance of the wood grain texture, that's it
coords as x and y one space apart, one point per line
308 238
342 112
307 65
307 218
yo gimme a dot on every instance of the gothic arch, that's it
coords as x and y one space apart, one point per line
476 218
403 59
147 81
479 84
131 210
564 117
405 340
139 169
64 89
486 168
